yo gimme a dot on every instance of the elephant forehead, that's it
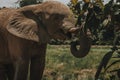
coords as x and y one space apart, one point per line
55 7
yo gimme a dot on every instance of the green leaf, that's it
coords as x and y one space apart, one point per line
103 63
113 63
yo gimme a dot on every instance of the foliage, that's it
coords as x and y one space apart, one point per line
107 68
87 12
104 68
102 27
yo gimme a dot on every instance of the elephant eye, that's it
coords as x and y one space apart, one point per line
58 17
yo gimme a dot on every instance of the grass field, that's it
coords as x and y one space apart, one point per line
61 65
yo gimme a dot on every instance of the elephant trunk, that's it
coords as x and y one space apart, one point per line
85 45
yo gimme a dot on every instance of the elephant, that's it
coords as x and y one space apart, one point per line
25 33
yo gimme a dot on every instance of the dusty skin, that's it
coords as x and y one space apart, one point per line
24 34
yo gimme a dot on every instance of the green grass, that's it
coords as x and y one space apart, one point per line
61 65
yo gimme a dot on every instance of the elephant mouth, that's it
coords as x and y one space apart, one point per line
60 34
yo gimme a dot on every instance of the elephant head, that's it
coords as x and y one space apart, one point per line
42 22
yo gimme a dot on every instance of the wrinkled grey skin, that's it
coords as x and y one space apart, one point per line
24 34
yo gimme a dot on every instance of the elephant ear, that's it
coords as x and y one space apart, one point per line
25 25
